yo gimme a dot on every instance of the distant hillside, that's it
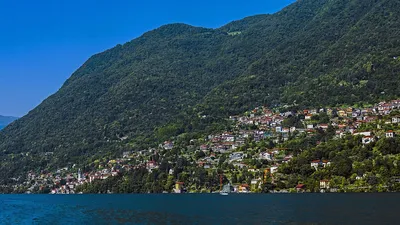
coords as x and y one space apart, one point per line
179 80
5 120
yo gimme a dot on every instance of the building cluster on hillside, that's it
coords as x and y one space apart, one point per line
257 125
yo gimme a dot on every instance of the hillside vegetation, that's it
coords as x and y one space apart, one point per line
180 80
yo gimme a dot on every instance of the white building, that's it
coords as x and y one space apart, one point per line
367 140
274 169
389 134
266 155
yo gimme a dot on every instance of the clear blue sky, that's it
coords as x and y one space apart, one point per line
43 42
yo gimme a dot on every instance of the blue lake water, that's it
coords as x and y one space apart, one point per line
201 209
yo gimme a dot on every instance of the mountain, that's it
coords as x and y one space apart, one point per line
5 120
180 79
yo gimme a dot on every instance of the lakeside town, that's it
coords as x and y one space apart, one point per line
249 155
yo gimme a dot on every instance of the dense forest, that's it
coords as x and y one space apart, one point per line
182 80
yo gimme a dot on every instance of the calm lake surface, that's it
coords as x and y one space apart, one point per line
201 209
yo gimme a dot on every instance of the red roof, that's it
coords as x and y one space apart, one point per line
300 186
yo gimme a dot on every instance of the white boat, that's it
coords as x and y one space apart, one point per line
226 189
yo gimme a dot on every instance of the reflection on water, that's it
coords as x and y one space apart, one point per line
200 209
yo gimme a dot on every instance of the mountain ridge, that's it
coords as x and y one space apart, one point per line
5 120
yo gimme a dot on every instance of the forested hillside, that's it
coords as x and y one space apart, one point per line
341 52
180 79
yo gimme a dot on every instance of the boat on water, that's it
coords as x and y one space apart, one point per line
228 188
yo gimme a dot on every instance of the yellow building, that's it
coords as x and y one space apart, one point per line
342 113
178 187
